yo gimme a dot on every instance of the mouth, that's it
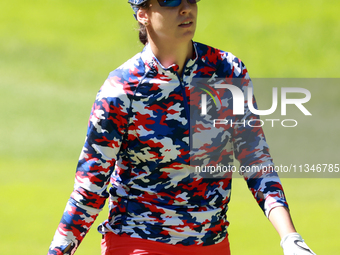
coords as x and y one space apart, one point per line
186 24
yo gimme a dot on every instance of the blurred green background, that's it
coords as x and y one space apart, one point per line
54 56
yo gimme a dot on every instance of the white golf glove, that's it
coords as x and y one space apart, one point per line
293 244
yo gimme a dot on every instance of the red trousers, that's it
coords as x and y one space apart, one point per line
113 244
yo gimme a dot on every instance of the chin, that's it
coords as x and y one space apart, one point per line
188 35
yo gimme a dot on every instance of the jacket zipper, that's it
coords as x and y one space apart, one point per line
186 106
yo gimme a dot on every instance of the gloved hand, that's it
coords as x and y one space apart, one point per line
293 244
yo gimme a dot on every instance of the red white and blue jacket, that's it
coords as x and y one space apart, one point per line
140 139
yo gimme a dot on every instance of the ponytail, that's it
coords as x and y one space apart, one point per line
143 35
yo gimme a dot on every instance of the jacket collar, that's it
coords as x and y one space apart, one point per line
152 63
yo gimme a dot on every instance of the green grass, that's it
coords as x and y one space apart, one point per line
54 56
314 205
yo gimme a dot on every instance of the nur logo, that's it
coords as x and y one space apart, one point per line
239 99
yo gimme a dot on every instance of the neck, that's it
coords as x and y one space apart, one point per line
169 54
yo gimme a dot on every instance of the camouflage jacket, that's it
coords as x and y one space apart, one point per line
145 134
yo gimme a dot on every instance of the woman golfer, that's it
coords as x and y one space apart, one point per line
146 131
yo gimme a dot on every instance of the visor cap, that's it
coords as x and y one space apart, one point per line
136 2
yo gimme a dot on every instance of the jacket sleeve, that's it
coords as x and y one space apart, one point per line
252 151
107 125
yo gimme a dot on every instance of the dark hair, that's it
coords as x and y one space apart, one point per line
143 35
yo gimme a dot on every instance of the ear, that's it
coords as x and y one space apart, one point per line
142 16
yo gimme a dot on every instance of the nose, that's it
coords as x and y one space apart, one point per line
186 7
